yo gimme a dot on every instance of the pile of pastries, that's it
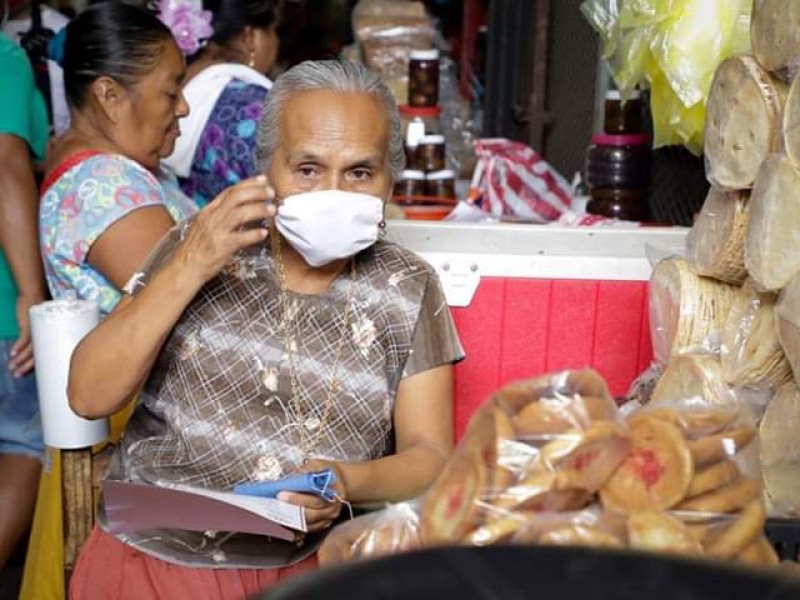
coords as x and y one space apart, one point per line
553 461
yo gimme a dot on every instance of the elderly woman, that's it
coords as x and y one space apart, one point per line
264 350
225 87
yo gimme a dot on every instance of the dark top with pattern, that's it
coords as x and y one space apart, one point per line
217 409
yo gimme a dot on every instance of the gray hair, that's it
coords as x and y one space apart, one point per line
338 76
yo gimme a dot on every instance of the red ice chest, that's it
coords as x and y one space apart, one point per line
547 299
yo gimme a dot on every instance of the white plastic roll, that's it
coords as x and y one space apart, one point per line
57 327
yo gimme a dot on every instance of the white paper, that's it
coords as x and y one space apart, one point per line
56 328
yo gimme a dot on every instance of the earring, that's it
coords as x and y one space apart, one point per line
252 62
382 229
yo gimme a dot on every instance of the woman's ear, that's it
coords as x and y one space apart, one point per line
110 97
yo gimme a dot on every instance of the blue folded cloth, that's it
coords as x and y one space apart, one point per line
318 483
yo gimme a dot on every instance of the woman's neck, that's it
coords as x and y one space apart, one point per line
82 135
211 55
302 278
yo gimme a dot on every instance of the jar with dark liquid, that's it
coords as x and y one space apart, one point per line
623 117
423 78
617 173
430 155
441 185
409 187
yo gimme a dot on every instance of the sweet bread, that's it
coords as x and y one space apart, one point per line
497 530
586 459
580 535
566 385
713 477
744 530
451 506
730 498
760 553
657 472
660 532
491 434
696 422
715 448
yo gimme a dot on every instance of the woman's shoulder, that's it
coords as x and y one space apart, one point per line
106 168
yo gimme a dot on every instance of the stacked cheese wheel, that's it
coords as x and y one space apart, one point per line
551 461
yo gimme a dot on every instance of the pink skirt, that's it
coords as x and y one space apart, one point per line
108 569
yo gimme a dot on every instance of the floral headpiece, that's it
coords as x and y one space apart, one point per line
189 23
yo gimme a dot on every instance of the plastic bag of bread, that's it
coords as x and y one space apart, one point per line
780 453
693 376
687 311
787 315
752 356
390 531
715 244
592 526
775 34
546 444
388 30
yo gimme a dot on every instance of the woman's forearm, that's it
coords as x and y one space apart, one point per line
110 364
395 478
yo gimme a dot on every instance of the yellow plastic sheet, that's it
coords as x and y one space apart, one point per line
673 48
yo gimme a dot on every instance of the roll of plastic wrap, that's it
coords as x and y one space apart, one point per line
57 327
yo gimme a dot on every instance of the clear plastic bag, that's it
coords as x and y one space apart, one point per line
687 311
390 531
545 444
388 30
780 453
787 315
752 356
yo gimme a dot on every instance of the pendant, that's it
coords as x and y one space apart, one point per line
268 468
270 401
269 377
312 423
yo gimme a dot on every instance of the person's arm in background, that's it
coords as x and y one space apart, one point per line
19 240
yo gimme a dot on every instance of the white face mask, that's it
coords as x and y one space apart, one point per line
330 224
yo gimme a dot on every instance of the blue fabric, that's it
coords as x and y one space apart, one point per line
226 153
20 427
318 483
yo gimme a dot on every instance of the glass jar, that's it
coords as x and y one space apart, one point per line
409 187
423 78
623 118
441 185
430 154
417 122
618 174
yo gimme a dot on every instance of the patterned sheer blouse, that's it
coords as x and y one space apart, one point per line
219 409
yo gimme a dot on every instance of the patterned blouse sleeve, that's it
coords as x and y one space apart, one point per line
110 189
435 342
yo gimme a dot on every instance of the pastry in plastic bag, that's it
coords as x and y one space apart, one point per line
657 472
772 250
775 34
693 376
787 315
390 531
715 244
660 532
751 353
743 122
780 452
687 311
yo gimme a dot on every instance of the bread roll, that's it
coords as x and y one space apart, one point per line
787 314
772 250
751 353
685 309
780 426
715 245
775 35
742 122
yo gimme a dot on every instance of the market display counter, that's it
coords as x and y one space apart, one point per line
531 299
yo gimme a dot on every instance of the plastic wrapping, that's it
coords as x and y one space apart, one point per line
512 180
390 531
772 249
752 356
790 130
687 311
672 47
787 315
780 453
715 244
388 30
776 36
693 376
743 122
551 461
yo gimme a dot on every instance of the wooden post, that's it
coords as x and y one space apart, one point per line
77 504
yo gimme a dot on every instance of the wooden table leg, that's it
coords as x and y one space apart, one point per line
77 504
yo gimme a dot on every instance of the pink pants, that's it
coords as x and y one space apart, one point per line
108 569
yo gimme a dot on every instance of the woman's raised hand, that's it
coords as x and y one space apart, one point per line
235 220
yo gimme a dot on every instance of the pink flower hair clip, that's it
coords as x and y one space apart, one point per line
189 23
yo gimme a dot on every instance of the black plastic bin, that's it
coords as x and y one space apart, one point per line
552 573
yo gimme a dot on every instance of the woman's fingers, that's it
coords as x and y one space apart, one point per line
320 514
